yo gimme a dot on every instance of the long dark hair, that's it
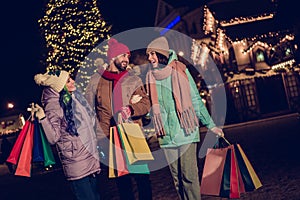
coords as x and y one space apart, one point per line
65 100
162 59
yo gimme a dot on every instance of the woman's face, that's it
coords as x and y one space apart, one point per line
70 85
152 57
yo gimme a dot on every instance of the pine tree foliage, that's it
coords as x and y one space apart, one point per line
72 29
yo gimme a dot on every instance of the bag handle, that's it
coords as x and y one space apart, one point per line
226 140
217 144
121 120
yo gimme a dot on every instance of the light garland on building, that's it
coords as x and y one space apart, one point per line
283 65
258 43
199 53
221 41
209 21
286 38
243 20
264 36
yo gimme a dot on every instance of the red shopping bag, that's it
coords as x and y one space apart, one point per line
234 176
231 186
15 152
213 171
24 163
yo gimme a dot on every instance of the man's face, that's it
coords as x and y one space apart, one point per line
122 61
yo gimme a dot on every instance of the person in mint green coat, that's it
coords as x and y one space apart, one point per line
176 110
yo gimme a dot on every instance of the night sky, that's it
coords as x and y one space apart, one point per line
22 43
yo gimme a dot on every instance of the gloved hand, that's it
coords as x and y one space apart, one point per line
219 132
125 112
135 98
39 112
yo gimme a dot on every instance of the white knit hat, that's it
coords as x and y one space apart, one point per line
56 82
159 45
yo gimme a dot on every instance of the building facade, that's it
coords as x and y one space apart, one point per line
255 56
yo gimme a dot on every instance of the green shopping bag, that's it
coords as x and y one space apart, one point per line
133 168
48 154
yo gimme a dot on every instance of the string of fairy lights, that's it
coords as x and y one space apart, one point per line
71 29
250 43
209 21
243 20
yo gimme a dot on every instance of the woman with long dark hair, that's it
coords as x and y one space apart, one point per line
68 122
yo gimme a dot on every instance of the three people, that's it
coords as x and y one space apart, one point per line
68 122
176 110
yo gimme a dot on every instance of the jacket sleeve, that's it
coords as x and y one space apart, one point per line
91 90
143 106
52 123
200 109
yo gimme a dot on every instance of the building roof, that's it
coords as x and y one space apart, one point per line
255 29
229 9
226 10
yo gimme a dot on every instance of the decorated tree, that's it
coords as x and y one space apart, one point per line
72 29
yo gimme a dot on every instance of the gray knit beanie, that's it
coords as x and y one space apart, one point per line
159 45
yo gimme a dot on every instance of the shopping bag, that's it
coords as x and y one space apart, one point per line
134 142
15 152
234 175
24 163
111 156
225 184
213 171
231 184
238 175
37 154
249 176
47 151
117 162
134 168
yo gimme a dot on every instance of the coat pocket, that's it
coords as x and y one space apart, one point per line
66 149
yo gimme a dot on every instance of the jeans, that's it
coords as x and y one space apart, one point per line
85 188
125 187
183 166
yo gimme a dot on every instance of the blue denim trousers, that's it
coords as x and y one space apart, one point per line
86 188
183 166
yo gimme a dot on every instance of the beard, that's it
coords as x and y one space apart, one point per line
120 65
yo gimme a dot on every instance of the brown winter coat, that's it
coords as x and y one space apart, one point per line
131 85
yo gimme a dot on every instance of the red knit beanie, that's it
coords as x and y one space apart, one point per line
116 48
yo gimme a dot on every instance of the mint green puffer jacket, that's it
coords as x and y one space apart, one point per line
175 135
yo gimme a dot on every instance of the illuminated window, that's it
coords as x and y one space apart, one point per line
260 56
288 52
